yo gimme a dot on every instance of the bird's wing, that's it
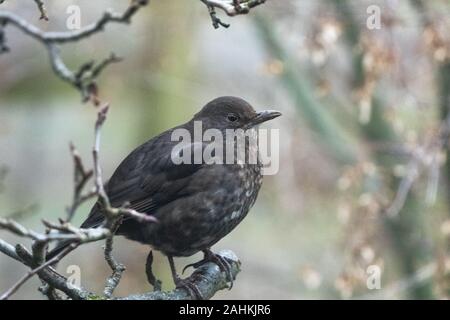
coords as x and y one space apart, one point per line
146 180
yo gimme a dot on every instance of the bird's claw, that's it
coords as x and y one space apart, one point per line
222 262
224 266
190 287
194 265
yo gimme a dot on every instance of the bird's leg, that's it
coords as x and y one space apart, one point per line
185 284
222 262
156 284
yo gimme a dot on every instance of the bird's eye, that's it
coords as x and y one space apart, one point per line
232 117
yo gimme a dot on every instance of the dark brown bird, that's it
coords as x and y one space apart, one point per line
196 204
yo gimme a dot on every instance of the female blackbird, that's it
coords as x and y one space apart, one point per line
197 203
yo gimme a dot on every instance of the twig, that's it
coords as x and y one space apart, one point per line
64 232
50 292
415 166
208 277
100 189
230 7
109 211
42 10
41 7
73 234
9 250
53 278
216 22
81 79
33 272
81 177
404 187
117 268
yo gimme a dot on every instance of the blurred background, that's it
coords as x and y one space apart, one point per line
363 177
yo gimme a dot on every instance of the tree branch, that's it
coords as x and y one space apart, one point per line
31 273
64 231
117 268
9 250
230 7
207 278
84 78
42 10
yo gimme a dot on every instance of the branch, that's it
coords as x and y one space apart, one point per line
9 250
417 164
84 78
230 7
62 231
50 276
68 232
81 176
117 268
207 278
31 273
41 7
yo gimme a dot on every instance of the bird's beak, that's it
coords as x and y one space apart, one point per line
263 116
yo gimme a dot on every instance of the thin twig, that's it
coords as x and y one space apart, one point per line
33 272
42 10
230 7
80 79
50 276
81 177
209 278
117 268
416 166
73 234
9 250
101 117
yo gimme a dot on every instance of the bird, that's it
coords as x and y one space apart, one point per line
195 203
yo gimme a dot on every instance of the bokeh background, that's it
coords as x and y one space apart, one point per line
363 176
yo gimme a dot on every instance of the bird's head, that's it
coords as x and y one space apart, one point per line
232 113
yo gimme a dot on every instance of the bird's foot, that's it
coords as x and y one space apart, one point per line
222 262
190 287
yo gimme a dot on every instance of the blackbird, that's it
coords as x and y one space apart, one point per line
195 203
